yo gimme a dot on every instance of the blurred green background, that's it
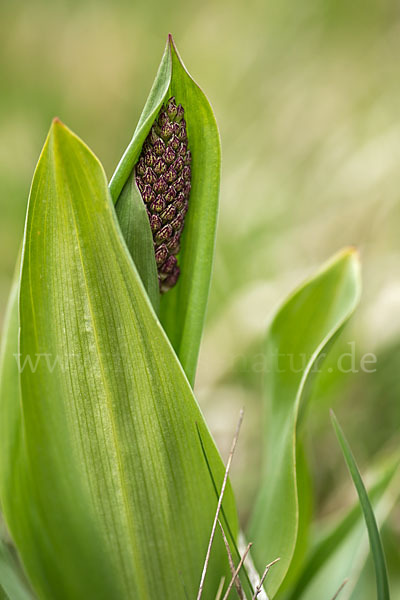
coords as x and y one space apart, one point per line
307 98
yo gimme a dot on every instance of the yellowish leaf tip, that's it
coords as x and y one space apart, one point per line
350 251
354 252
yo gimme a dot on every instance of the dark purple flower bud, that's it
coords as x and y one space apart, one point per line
140 184
180 201
140 167
169 265
171 108
148 194
182 131
173 244
164 234
179 184
153 137
166 131
161 254
158 205
179 164
170 195
169 155
155 223
159 166
163 177
159 146
149 177
174 142
163 118
179 113
169 213
177 223
149 158
160 186
171 281
186 173
175 128
170 175
183 149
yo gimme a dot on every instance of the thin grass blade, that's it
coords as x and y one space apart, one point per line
378 554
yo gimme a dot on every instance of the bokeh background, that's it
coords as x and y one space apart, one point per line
307 97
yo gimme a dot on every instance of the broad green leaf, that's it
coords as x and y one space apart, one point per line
125 193
12 585
337 552
298 337
183 308
305 514
135 228
113 499
10 407
378 555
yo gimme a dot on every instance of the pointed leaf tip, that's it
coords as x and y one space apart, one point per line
57 123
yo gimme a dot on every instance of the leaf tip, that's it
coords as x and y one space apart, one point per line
57 126
352 250
171 43
57 121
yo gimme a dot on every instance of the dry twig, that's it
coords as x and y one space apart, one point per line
340 589
266 571
220 588
235 574
238 585
228 466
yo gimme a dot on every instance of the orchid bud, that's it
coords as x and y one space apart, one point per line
163 176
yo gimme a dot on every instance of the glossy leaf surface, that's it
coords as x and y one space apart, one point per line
112 497
299 334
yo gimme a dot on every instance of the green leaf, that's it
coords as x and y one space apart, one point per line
11 580
10 403
113 499
135 228
12 583
336 552
125 194
378 555
154 102
183 308
305 514
298 338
